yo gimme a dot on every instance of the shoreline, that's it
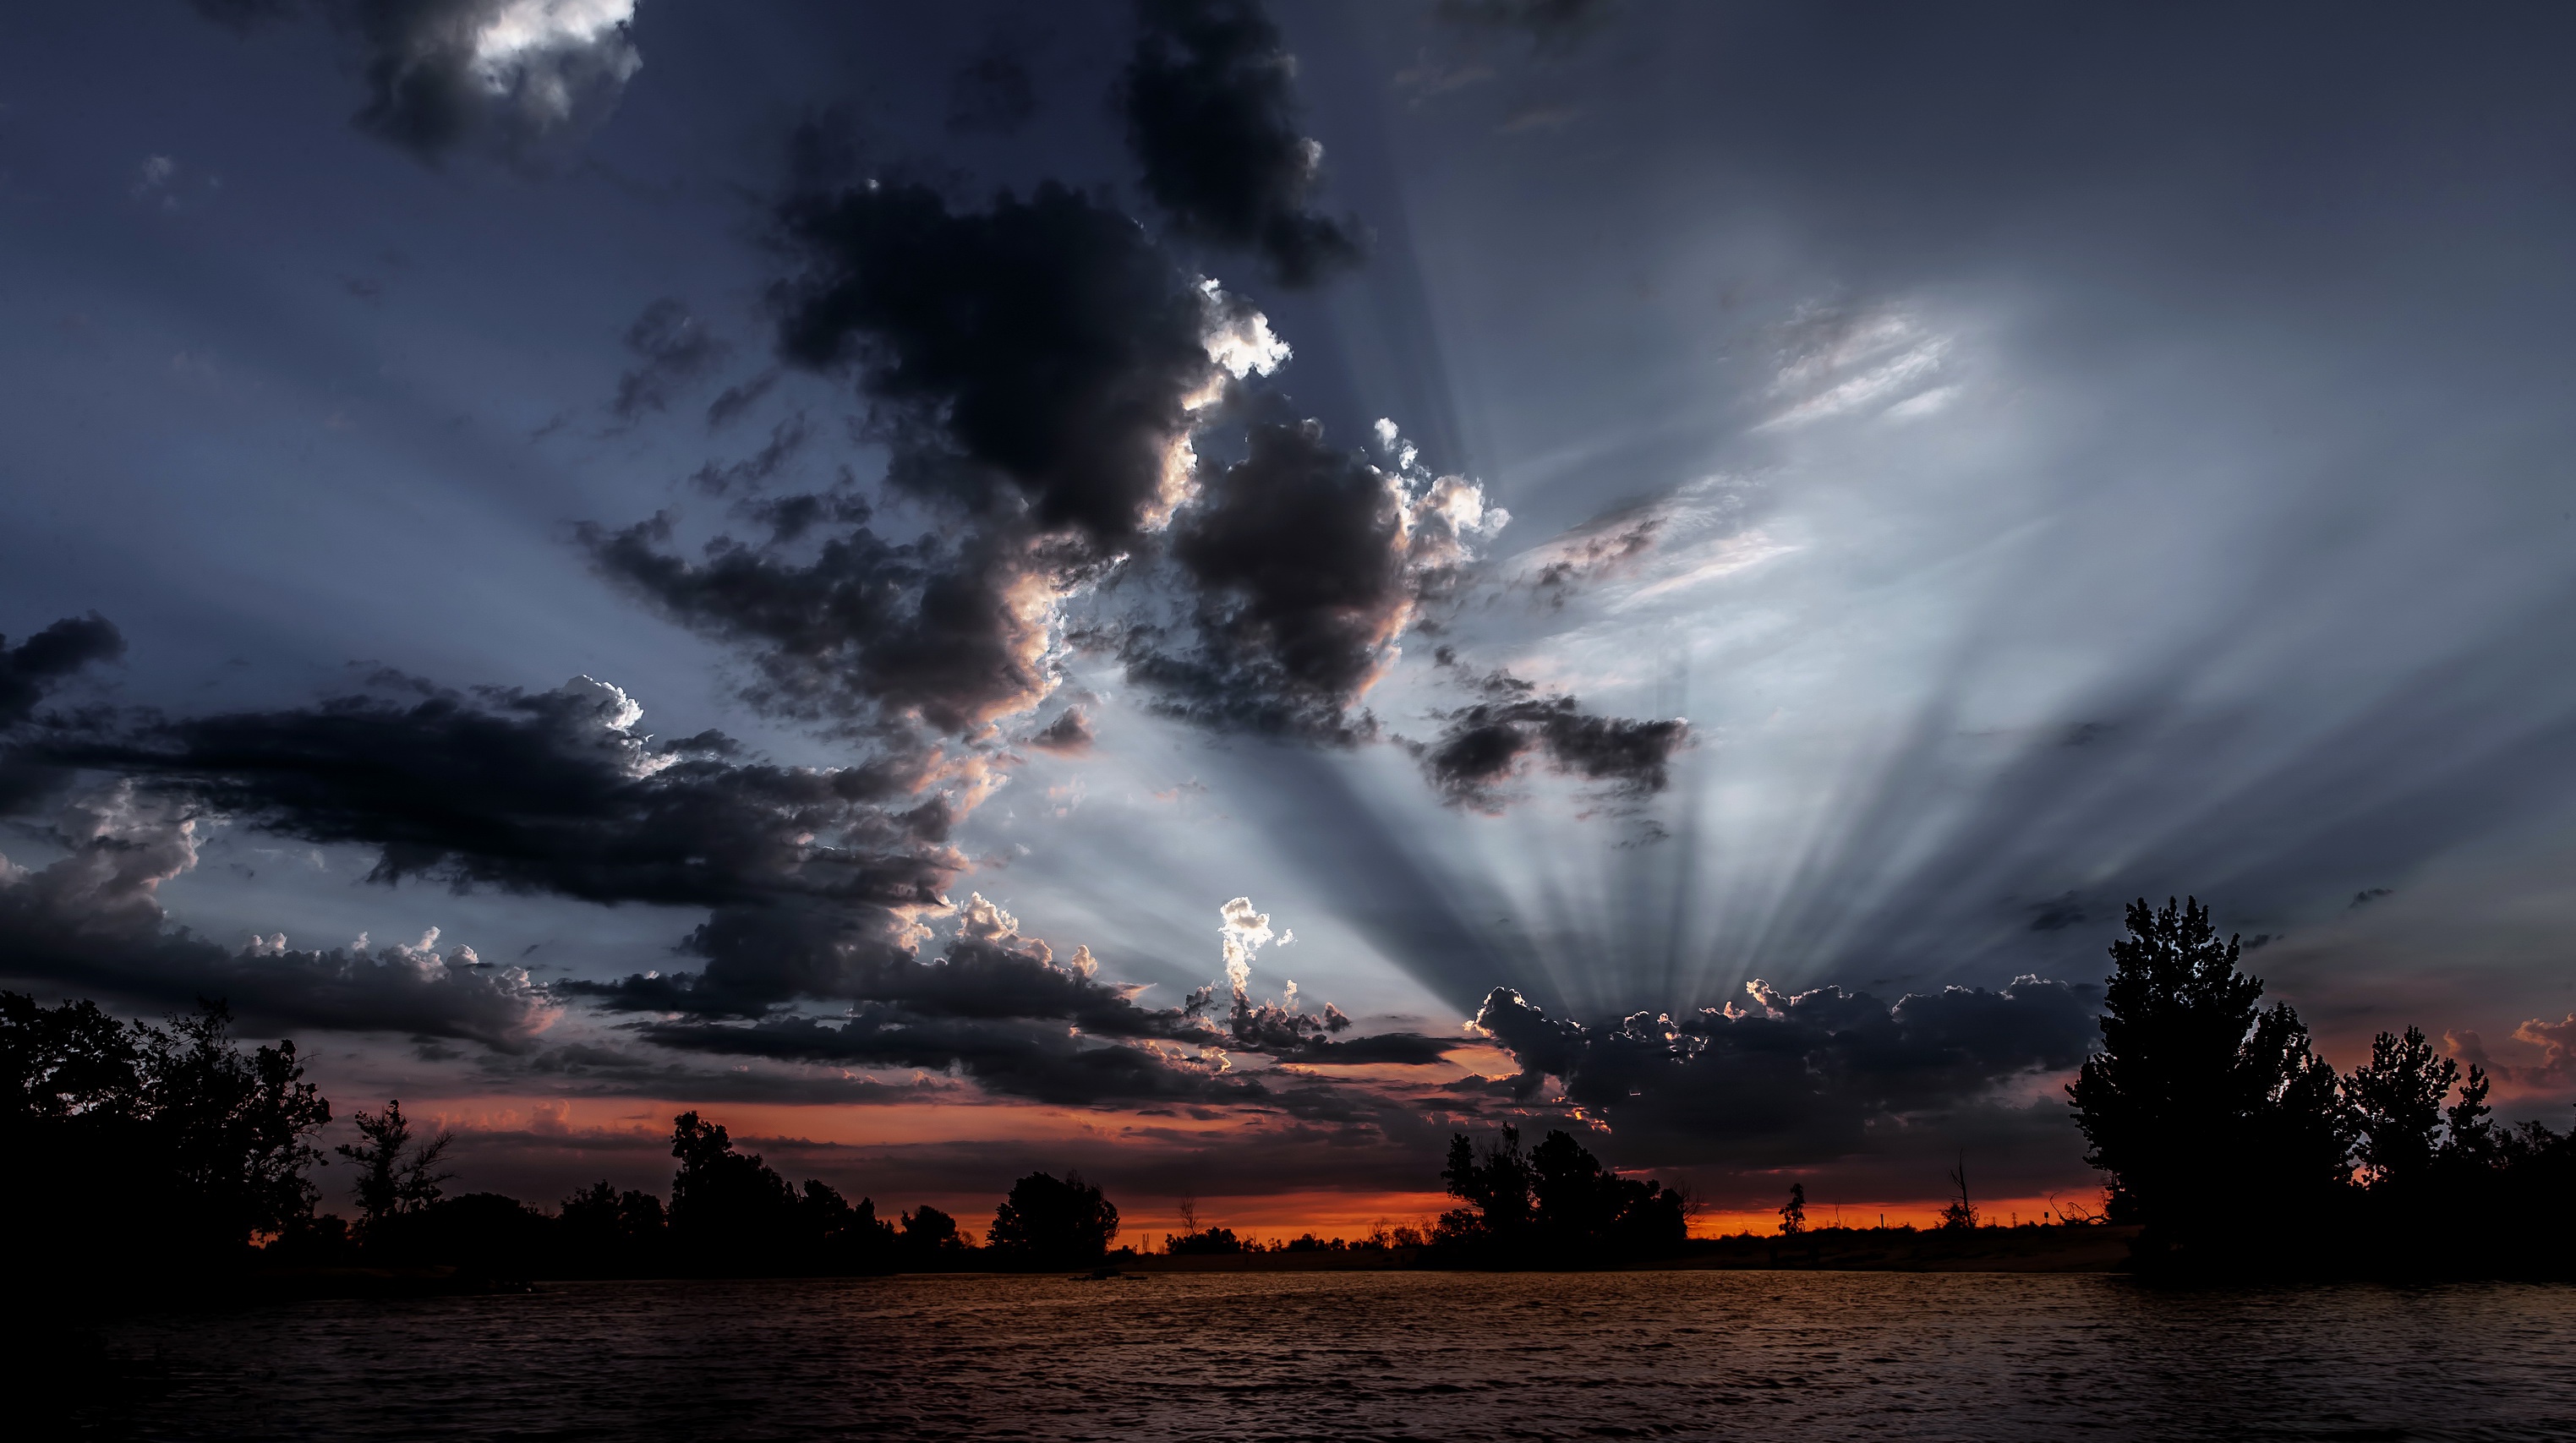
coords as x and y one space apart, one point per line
1982 1250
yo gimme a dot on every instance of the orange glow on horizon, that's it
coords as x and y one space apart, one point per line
1918 1212
1144 1218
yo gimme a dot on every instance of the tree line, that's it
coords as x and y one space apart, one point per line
145 1155
2235 1146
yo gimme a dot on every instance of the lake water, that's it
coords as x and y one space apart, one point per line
1348 1356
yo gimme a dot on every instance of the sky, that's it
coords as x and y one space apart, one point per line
1212 594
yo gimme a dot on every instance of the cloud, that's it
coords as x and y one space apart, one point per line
952 635
818 884
1038 369
1211 107
1068 735
1308 564
2557 1041
786 439
442 74
994 1004
1041 1064
1798 1078
34 667
1241 932
734 400
29 672
92 921
813 875
672 348
1598 549
1283 1028
616 1069
1485 746
1041 359
1835 361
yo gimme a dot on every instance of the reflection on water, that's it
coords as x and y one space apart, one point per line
1374 1355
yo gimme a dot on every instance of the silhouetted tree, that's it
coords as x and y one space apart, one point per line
845 1237
608 1233
1793 1213
1051 1222
1580 1207
733 1213
1495 1184
1556 1200
394 1176
931 1239
2469 1139
2396 1100
151 1141
1211 1240
1960 1214
730 1212
2201 1097
61 1063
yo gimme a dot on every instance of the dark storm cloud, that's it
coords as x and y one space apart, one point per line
987 972
1010 1057
1307 564
815 880
672 350
591 1069
1014 1058
542 792
859 629
1038 367
1399 1048
1211 105
1043 355
812 875
34 667
1485 746
1803 1077
994 1004
91 921
1001 1008
29 672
